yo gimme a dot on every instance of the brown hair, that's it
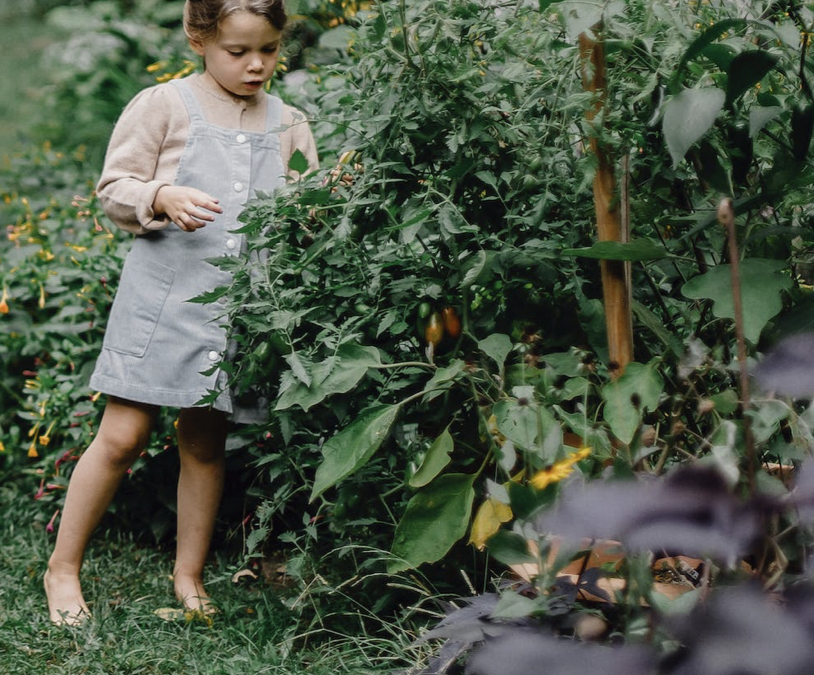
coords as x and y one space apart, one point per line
202 18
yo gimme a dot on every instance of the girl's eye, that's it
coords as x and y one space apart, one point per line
269 50
238 53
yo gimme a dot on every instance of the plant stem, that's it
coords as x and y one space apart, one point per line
726 216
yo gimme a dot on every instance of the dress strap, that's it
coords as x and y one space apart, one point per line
274 113
193 107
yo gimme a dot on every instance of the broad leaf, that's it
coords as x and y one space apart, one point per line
488 519
518 423
350 449
298 162
701 43
747 69
337 38
336 375
445 376
497 347
437 457
639 249
627 398
760 116
433 521
762 284
688 116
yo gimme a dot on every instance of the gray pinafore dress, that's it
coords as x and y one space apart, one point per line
158 347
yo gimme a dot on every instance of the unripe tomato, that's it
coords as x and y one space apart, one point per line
424 310
434 330
261 352
452 324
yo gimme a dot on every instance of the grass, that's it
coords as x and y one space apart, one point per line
125 583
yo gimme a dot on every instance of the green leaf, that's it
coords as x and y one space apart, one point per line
510 548
512 605
449 374
336 375
208 297
352 447
433 521
497 347
762 284
702 42
760 116
726 402
747 69
518 423
437 457
298 162
720 54
340 37
688 116
637 390
637 250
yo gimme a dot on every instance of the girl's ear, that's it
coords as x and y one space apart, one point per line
197 46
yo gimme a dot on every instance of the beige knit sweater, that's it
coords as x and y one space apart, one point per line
149 139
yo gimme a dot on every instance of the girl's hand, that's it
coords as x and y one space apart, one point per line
189 208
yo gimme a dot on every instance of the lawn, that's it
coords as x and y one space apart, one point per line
126 583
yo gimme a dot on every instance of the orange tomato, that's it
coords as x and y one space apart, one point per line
452 324
434 330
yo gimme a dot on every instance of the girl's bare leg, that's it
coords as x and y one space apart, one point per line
123 433
201 443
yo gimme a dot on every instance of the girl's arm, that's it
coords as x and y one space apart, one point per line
142 158
297 136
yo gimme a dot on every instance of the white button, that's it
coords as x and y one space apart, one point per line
213 355
238 187
230 243
240 138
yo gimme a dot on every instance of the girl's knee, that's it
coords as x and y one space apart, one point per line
121 446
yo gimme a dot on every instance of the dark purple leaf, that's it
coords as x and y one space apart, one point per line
788 369
690 512
742 631
803 495
528 652
468 624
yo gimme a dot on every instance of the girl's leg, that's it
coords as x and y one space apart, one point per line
123 433
201 447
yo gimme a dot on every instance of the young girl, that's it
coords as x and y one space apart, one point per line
183 159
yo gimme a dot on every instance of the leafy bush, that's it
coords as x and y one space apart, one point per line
425 318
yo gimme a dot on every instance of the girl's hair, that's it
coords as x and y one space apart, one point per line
202 18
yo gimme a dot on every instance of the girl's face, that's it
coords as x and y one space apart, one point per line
243 55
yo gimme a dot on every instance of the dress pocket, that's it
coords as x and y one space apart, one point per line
141 295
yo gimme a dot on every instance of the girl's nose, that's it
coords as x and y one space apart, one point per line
256 63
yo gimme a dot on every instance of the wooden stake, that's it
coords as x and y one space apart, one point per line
615 288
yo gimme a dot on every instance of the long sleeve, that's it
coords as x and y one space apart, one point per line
142 156
297 136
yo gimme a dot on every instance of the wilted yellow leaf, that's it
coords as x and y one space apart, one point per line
488 520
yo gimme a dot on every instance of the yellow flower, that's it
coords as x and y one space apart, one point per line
3 304
32 449
45 438
556 472
2 447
